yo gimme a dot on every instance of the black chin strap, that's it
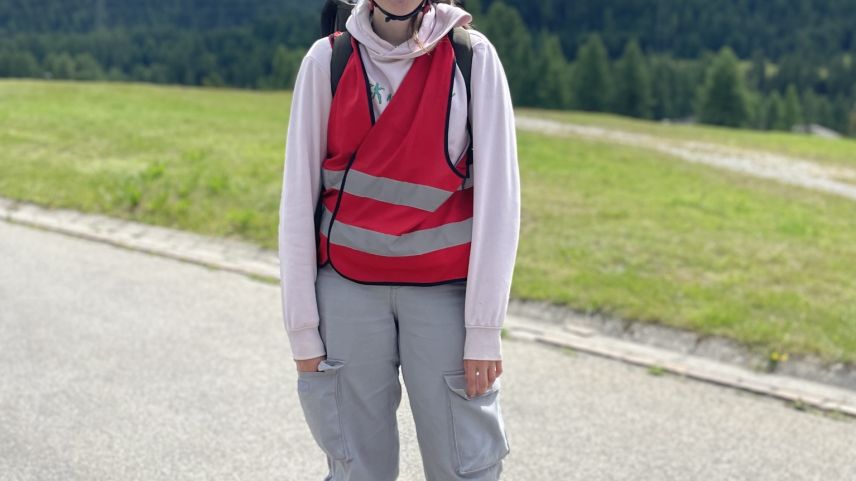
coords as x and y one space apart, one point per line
390 16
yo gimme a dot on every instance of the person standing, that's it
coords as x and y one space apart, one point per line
399 227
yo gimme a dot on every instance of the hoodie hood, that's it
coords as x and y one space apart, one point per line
436 23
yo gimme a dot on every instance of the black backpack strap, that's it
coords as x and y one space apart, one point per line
463 54
343 12
328 18
342 50
464 57
334 14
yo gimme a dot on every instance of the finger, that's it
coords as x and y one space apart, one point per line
483 374
491 373
470 368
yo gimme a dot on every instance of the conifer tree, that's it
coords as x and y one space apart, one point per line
793 111
664 87
758 72
809 106
86 67
841 108
722 98
755 107
511 38
824 114
473 6
284 67
592 81
18 64
774 112
852 131
60 66
554 87
632 93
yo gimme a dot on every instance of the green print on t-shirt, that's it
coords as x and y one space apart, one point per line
377 88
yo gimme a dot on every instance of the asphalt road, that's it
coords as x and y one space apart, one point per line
117 365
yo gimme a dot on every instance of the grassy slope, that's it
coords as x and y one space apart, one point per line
605 227
207 160
632 233
841 152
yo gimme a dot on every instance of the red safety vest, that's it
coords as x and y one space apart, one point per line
395 208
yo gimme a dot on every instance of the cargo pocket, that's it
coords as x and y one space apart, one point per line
319 396
478 429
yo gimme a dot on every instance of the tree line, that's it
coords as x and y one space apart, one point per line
815 30
716 88
264 53
773 66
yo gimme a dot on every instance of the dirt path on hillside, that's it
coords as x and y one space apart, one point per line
804 173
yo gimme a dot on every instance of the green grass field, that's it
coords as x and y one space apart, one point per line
206 160
606 228
836 152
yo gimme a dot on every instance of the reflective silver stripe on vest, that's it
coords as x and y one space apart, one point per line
397 192
412 243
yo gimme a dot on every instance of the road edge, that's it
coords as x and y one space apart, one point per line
526 319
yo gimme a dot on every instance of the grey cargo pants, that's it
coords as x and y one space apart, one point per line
350 403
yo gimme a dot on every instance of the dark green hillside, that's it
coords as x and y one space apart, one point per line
818 29
52 16
777 64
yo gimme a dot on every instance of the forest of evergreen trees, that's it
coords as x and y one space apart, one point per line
769 64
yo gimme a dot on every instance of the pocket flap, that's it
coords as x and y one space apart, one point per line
326 368
330 364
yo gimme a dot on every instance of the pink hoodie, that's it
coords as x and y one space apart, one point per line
496 181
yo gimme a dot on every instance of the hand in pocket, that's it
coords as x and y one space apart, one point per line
309 365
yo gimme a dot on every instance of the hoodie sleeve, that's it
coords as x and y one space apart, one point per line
305 148
496 205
